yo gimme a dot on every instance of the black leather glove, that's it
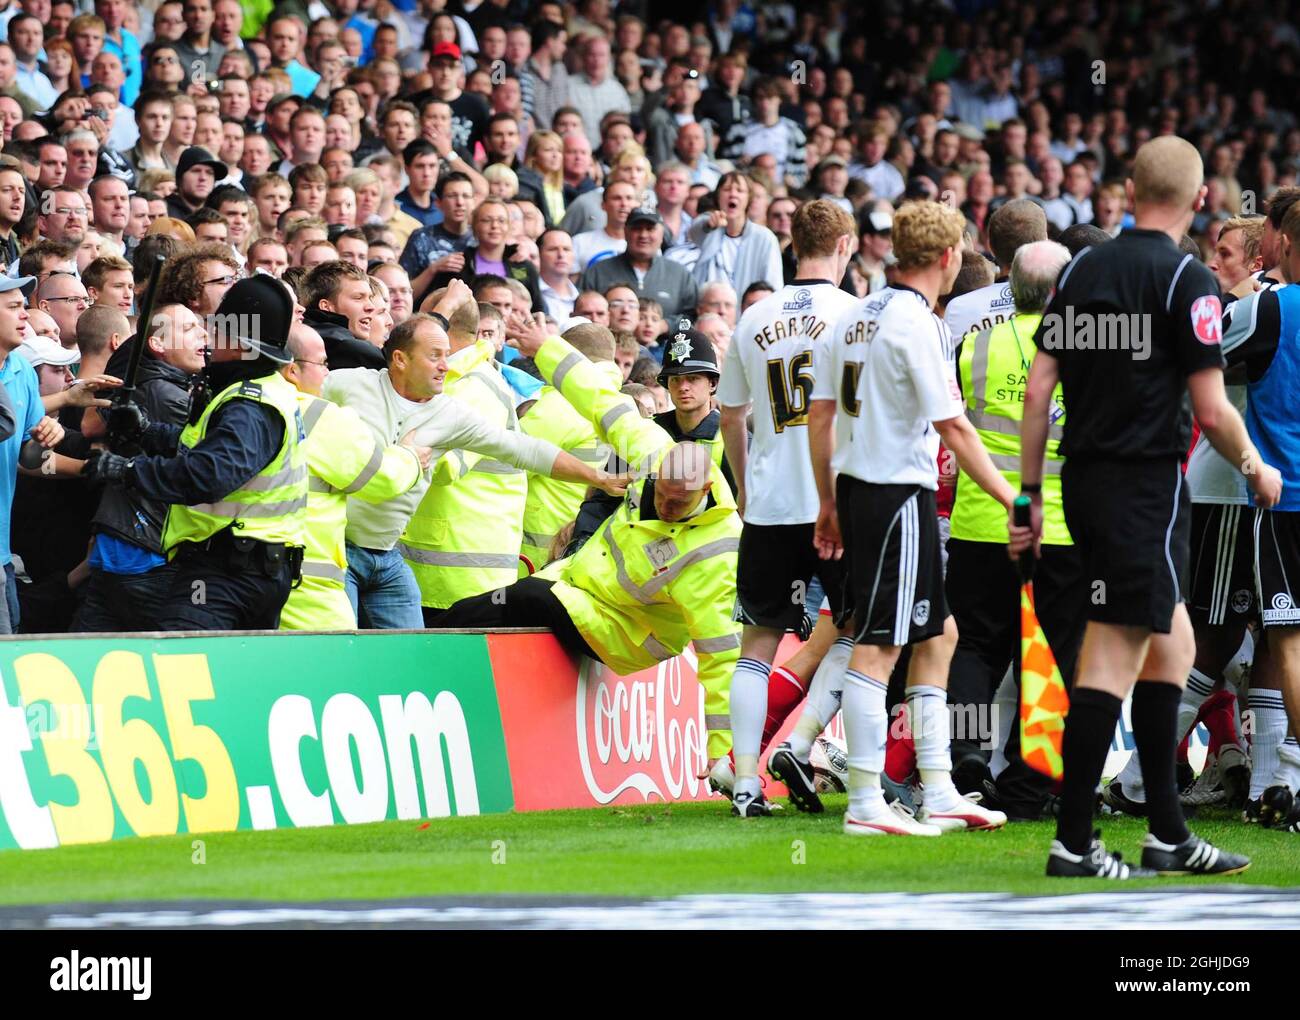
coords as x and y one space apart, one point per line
126 423
105 467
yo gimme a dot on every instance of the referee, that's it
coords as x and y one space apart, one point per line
1133 325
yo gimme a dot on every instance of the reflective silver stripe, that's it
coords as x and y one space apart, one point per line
539 540
316 484
979 369
1011 462
718 547
460 457
326 571
717 644
615 413
591 454
437 558
314 411
1007 426
496 467
717 722
624 579
368 472
265 483
656 648
644 593
229 508
564 367
488 379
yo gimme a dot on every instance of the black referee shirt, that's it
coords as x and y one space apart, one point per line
1129 321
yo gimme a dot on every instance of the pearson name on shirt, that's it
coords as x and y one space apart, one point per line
794 325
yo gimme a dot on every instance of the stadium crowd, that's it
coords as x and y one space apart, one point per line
397 431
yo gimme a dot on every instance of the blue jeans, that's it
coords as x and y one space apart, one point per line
9 611
382 590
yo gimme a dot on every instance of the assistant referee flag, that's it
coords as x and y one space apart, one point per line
1043 699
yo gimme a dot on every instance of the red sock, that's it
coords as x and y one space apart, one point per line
1220 719
784 692
900 752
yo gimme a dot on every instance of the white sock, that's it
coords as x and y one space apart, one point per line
1287 772
1006 713
823 699
748 713
865 725
927 715
1199 687
1267 730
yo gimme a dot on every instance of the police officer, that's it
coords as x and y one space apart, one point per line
344 458
982 587
465 535
235 476
552 504
690 375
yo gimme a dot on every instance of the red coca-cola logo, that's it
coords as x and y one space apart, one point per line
642 733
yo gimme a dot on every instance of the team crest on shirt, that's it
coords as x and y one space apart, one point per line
1207 320
681 347
1242 600
921 613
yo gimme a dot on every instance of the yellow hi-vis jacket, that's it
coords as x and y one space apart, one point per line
464 537
552 503
272 505
343 459
993 368
642 588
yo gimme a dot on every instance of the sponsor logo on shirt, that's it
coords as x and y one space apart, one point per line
801 299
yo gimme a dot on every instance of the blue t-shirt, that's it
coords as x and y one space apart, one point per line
19 379
114 556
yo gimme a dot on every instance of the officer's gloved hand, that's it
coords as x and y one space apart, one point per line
105 467
126 423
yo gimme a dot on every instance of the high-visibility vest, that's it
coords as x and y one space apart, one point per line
464 537
271 506
993 369
640 590
552 503
344 459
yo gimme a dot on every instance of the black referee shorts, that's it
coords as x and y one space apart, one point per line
1131 521
895 566
1222 589
774 565
1277 560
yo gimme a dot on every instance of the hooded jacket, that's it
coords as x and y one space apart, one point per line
342 348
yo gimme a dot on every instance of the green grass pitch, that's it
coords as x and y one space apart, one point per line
646 850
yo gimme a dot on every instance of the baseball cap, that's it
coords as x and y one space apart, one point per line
644 215
281 99
41 350
969 132
879 221
27 284
445 49
196 155
832 160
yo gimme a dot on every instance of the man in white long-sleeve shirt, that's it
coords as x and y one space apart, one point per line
403 397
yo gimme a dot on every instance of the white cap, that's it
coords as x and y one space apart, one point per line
575 320
41 350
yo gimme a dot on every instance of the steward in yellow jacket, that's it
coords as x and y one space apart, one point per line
343 459
552 504
661 571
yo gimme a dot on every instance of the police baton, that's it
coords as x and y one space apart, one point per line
123 394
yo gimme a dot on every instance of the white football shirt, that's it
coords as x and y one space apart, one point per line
770 363
888 365
980 309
